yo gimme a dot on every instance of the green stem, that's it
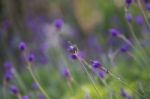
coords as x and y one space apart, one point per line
37 82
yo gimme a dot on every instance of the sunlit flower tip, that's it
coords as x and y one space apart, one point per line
8 76
25 97
31 58
96 64
148 7
139 20
72 49
22 46
58 23
101 74
35 86
123 93
128 2
14 90
114 32
128 17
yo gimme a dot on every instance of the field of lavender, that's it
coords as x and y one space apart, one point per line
75 49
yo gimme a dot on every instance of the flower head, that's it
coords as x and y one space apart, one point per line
128 2
14 90
22 46
31 58
58 23
66 73
128 17
8 76
96 64
114 32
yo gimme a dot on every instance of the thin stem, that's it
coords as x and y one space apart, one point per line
37 82
91 80
19 96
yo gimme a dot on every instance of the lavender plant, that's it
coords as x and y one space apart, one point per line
117 67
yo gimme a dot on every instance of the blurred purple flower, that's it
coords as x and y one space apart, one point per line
96 64
139 20
58 23
14 90
35 86
101 74
128 2
66 72
148 6
123 93
128 17
114 32
8 65
25 97
41 96
8 76
125 48
31 58
22 46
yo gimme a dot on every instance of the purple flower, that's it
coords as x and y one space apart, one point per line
66 73
146 1
101 74
22 46
124 48
31 58
96 64
8 76
128 17
41 96
123 93
58 23
114 32
139 20
73 56
128 97
35 86
128 2
8 66
148 7
14 90
25 97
